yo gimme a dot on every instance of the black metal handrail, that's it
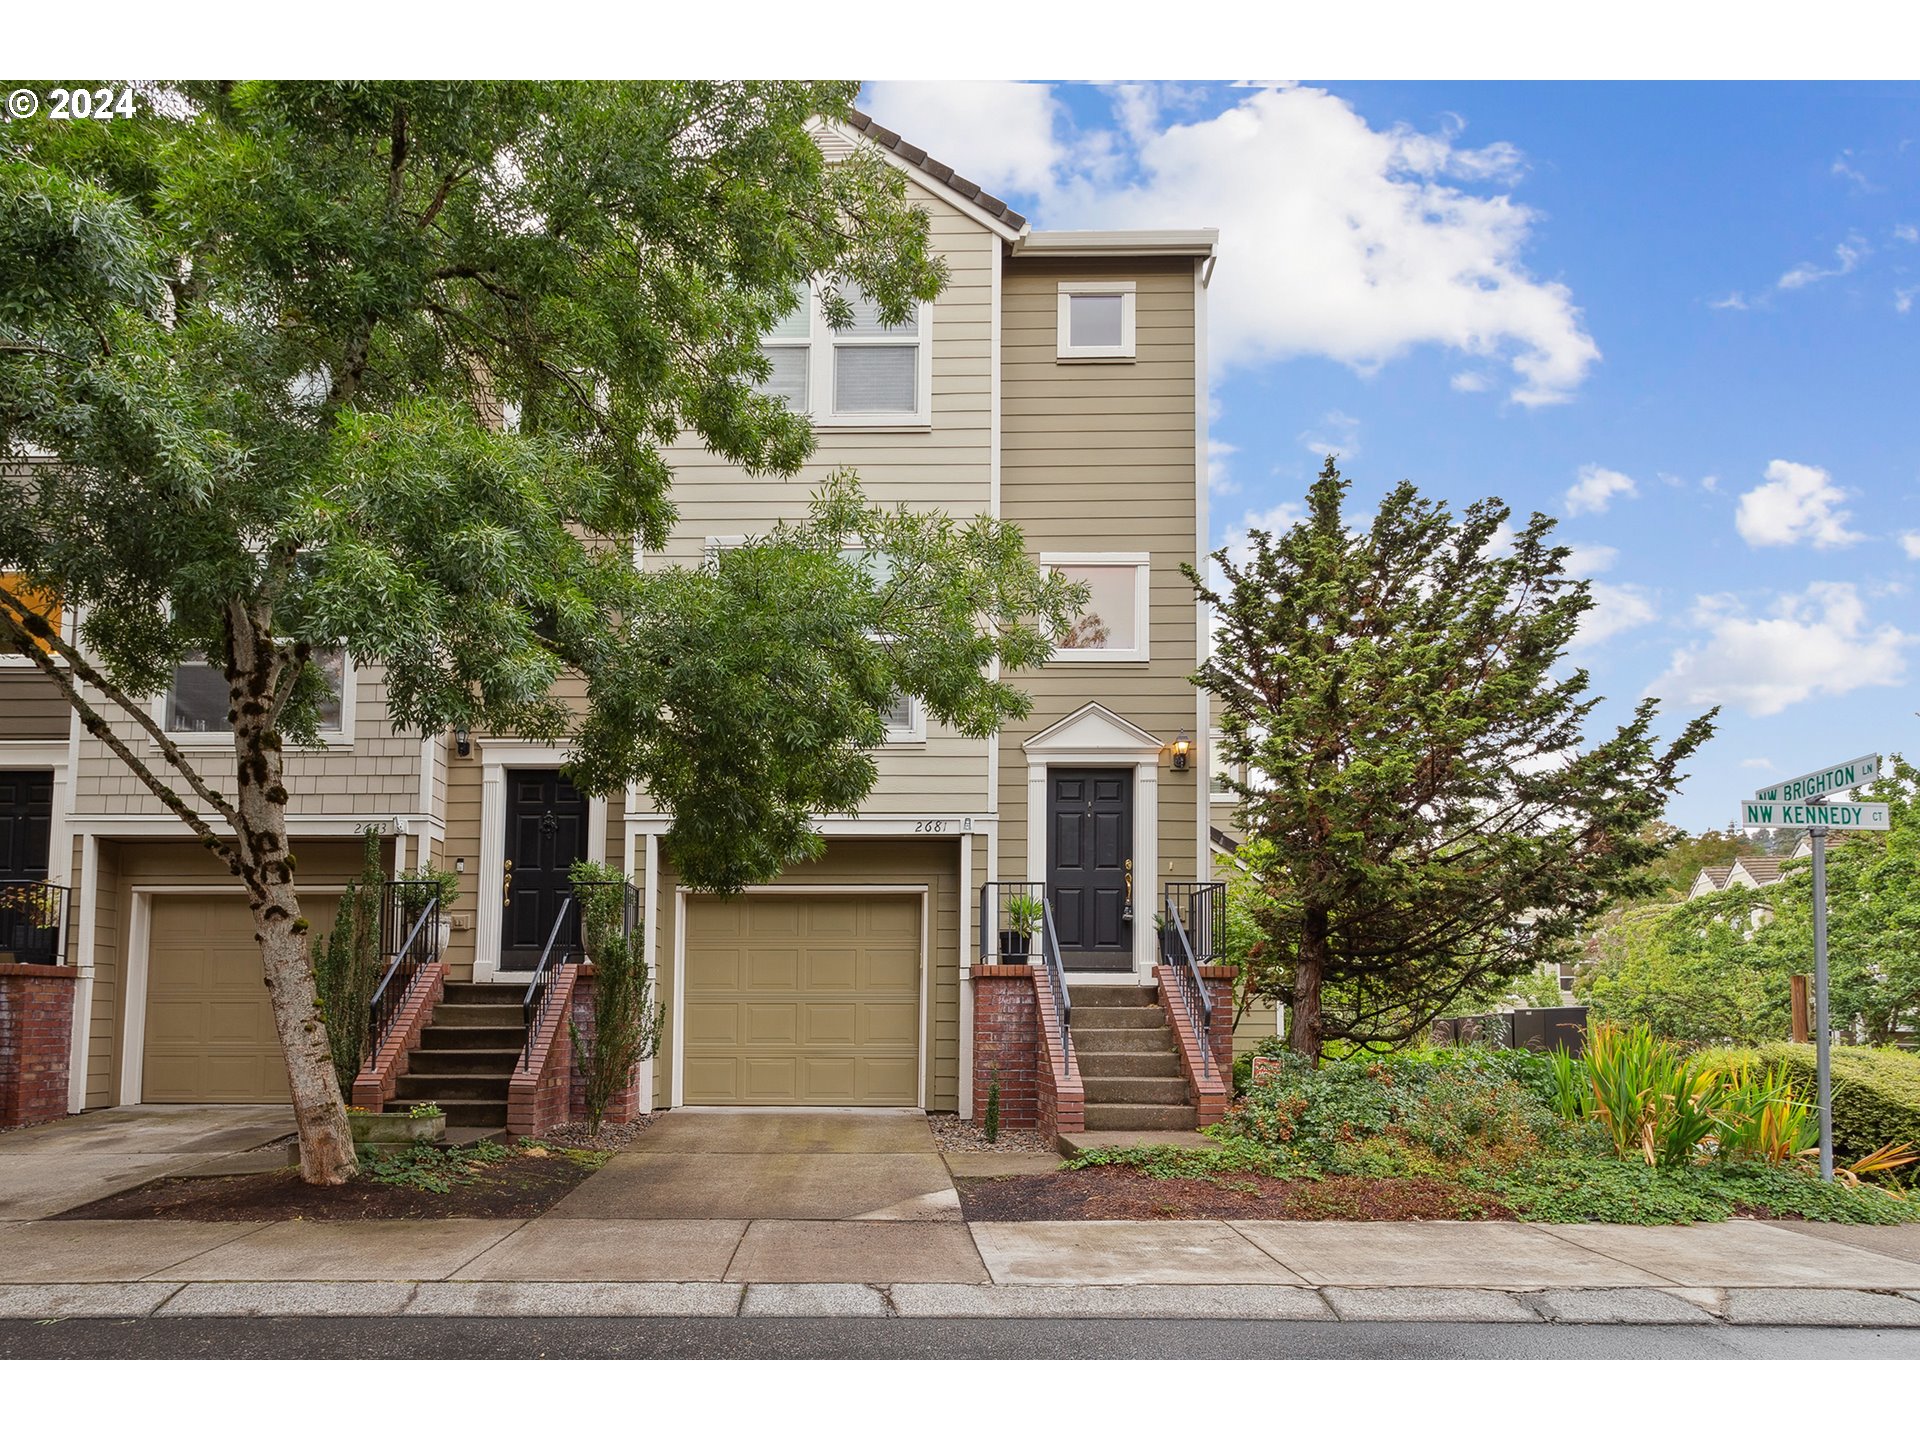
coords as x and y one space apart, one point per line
1177 951
33 922
1203 909
410 910
1057 973
539 992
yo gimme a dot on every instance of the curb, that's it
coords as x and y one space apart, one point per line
1767 1306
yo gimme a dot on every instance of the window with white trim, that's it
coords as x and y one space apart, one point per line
1096 320
869 374
906 721
1113 626
197 703
1218 770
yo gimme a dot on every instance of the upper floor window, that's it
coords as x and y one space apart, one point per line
43 603
1218 770
869 374
906 721
1114 624
197 703
1096 320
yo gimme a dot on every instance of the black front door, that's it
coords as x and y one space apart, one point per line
546 833
1090 866
26 823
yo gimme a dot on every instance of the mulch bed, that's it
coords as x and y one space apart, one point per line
1118 1193
517 1188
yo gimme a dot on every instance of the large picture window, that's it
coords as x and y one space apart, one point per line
197 705
1113 626
869 374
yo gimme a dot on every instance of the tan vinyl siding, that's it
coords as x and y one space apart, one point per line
31 705
1101 457
125 864
463 843
934 863
944 466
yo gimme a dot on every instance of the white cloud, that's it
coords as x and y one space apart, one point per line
1757 763
1220 480
1844 167
1735 301
1593 492
1710 483
1903 299
1815 643
1910 542
1847 256
1336 434
1616 608
1337 239
1591 559
1470 382
1907 234
1276 521
1798 502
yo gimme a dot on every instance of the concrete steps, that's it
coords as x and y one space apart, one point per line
1128 1062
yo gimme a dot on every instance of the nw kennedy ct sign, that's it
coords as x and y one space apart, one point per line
1835 815
1821 782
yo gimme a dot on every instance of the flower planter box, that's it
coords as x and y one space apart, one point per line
381 1131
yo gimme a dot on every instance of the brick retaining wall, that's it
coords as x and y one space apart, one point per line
36 1037
1006 1043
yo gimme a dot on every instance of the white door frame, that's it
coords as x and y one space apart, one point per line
1094 738
677 1035
133 989
497 757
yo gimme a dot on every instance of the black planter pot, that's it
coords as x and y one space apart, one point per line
1015 947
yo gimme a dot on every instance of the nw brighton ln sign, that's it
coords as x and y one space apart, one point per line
1821 782
1835 815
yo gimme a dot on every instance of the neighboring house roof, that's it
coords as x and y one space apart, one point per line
1835 839
1222 840
944 174
1712 877
1760 869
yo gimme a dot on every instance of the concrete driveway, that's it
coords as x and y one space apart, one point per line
729 1165
50 1168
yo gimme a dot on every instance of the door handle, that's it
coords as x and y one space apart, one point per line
506 885
1126 912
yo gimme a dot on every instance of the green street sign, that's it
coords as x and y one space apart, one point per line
1823 782
1834 814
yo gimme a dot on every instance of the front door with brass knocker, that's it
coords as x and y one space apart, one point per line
546 824
1090 866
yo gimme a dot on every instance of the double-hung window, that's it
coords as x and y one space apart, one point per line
868 375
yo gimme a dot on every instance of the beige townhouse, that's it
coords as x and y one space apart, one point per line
1058 382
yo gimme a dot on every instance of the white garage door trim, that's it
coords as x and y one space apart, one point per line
133 994
680 896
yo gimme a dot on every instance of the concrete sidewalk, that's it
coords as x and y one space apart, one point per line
1741 1272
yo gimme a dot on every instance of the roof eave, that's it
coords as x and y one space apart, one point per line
1199 244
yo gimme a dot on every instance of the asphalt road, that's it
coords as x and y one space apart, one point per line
997 1339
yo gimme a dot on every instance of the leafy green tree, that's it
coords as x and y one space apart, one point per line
1718 969
1414 761
391 368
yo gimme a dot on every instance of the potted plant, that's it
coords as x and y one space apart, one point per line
446 890
1024 914
397 1129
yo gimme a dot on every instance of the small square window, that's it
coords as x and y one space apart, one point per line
1096 320
905 721
1114 624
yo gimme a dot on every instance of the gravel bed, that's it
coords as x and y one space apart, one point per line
609 1137
966 1137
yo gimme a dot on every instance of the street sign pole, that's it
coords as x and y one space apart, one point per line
1822 1042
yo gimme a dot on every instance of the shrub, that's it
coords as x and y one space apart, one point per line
347 965
991 1123
1876 1094
626 1017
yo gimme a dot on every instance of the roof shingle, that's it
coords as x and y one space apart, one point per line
935 170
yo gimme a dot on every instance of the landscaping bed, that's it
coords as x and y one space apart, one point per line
1115 1193
967 1137
483 1182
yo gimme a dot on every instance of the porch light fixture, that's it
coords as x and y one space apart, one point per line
1182 748
462 743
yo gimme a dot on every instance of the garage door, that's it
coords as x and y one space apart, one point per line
210 1036
802 1000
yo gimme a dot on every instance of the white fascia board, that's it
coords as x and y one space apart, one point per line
1117 242
922 178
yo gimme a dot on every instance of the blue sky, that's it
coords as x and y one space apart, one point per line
1685 318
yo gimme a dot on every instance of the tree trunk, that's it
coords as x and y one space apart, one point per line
1308 1030
267 870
